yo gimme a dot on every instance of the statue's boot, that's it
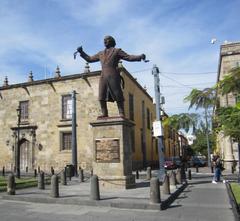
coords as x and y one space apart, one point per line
121 108
103 105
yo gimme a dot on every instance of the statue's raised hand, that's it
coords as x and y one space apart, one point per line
143 57
79 50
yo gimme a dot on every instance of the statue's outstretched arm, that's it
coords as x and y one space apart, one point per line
86 57
123 55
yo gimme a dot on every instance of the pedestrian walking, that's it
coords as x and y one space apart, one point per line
218 166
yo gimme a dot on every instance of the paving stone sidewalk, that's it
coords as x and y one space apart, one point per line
200 201
77 193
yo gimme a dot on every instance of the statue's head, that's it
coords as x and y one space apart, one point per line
109 41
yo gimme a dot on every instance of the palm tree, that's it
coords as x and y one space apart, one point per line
183 121
206 99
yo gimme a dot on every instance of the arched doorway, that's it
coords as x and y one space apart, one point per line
24 154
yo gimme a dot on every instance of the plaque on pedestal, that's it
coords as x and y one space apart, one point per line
113 152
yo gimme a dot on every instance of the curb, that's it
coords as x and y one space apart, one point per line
235 206
101 203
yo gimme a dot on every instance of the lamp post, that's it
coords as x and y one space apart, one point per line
74 133
18 146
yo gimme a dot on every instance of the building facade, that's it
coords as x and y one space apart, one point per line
229 58
45 129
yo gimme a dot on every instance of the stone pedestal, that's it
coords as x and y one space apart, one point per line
112 152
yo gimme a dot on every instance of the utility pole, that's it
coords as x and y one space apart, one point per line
74 133
18 143
158 129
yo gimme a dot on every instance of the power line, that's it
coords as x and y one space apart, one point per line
177 73
203 83
175 81
193 73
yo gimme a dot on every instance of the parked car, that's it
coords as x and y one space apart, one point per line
196 161
177 161
169 164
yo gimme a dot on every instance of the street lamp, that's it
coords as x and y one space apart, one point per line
18 146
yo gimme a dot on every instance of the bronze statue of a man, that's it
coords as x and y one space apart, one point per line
110 80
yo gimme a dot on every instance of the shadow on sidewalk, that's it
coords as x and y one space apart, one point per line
174 206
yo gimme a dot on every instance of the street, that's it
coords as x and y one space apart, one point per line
200 201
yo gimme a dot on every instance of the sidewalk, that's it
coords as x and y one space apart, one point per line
202 200
76 193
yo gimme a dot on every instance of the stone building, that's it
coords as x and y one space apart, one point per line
229 58
45 127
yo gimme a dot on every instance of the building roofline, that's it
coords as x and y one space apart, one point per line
226 53
51 80
70 77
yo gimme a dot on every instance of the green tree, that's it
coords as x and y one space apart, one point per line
200 143
206 99
228 121
228 118
183 121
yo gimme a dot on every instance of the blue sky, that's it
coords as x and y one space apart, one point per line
38 35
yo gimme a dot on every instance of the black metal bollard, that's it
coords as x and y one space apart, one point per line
189 174
183 173
3 171
137 174
68 172
154 191
91 172
54 186
94 194
197 170
81 176
41 183
11 186
149 173
172 178
179 177
63 178
52 171
35 173
166 186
